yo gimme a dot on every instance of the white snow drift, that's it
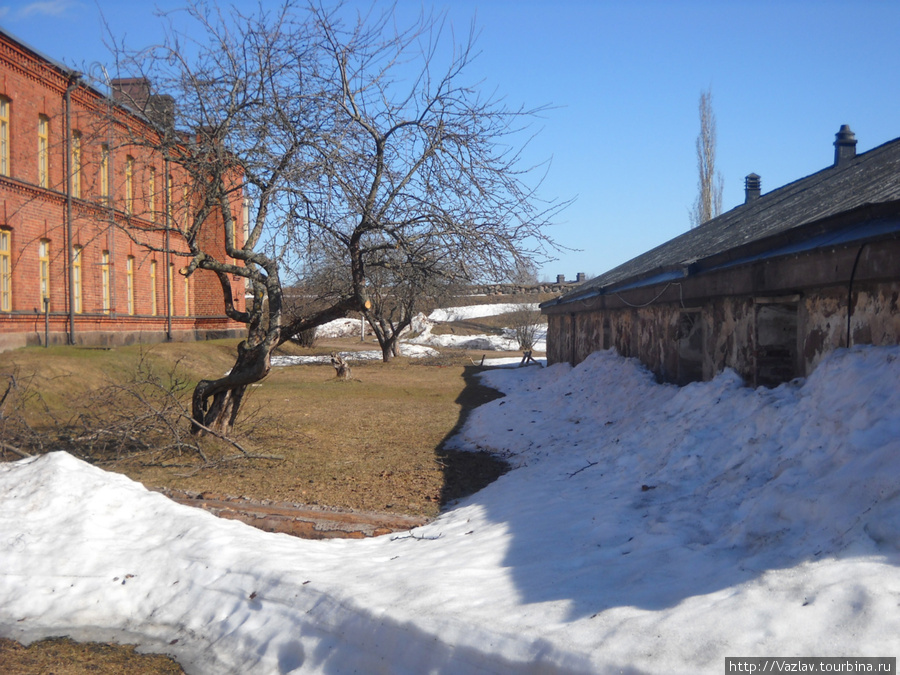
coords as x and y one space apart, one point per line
422 326
645 528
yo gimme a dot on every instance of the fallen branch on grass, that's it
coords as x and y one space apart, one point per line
14 450
225 460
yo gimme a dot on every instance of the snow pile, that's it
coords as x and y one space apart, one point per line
477 311
498 343
504 343
341 328
422 326
408 350
646 529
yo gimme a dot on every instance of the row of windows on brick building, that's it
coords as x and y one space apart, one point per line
107 284
43 157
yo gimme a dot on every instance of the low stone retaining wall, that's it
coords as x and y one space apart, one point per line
306 522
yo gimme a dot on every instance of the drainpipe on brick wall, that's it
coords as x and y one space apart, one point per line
170 276
73 82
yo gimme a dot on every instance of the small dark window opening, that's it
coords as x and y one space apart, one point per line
776 343
690 347
607 333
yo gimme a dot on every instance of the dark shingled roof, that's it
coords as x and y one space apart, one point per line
869 178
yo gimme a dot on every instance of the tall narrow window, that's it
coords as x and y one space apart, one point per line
104 173
4 136
129 280
170 290
76 279
104 281
5 272
75 166
44 258
153 287
43 151
129 185
187 296
151 194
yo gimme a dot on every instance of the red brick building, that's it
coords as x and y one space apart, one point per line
78 181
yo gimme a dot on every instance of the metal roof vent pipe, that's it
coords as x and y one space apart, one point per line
752 185
844 145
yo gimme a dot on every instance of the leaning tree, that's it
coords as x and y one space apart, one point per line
350 136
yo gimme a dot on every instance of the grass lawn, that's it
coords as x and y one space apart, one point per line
373 443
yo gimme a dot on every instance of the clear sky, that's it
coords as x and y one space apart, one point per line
624 78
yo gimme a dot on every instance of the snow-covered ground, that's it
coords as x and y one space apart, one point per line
645 528
422 326
502 343
478 311
411 351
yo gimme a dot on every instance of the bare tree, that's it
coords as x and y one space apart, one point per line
349 135
709 198
525 323
399 288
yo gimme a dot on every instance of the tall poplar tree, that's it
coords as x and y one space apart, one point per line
708 204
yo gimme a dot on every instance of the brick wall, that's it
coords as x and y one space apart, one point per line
109 231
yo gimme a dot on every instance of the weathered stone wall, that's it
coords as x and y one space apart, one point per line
522 289
682 344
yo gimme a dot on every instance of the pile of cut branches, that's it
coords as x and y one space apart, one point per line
145 414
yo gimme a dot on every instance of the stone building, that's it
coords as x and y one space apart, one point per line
766 289
78 179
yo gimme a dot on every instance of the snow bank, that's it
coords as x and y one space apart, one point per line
342 328
646 529
504 343
422 325
477 311
408 350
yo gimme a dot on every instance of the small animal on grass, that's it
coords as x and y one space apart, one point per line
341 366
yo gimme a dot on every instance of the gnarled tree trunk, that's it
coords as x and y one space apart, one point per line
216 403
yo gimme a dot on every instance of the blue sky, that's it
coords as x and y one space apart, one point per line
624 78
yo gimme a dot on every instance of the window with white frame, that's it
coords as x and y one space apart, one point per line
4 136
76 279
44 263
5 271
43 156
104 282
129 281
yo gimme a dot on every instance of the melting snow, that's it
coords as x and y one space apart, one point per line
646 528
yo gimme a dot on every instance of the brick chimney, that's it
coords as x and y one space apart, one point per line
752 185
844 145
560 278
134 93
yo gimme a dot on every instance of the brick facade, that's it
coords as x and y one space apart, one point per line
126 284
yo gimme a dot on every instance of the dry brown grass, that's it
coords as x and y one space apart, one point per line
374 443
62 656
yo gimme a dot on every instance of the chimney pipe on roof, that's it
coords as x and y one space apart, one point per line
752 184
135 93
844 145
